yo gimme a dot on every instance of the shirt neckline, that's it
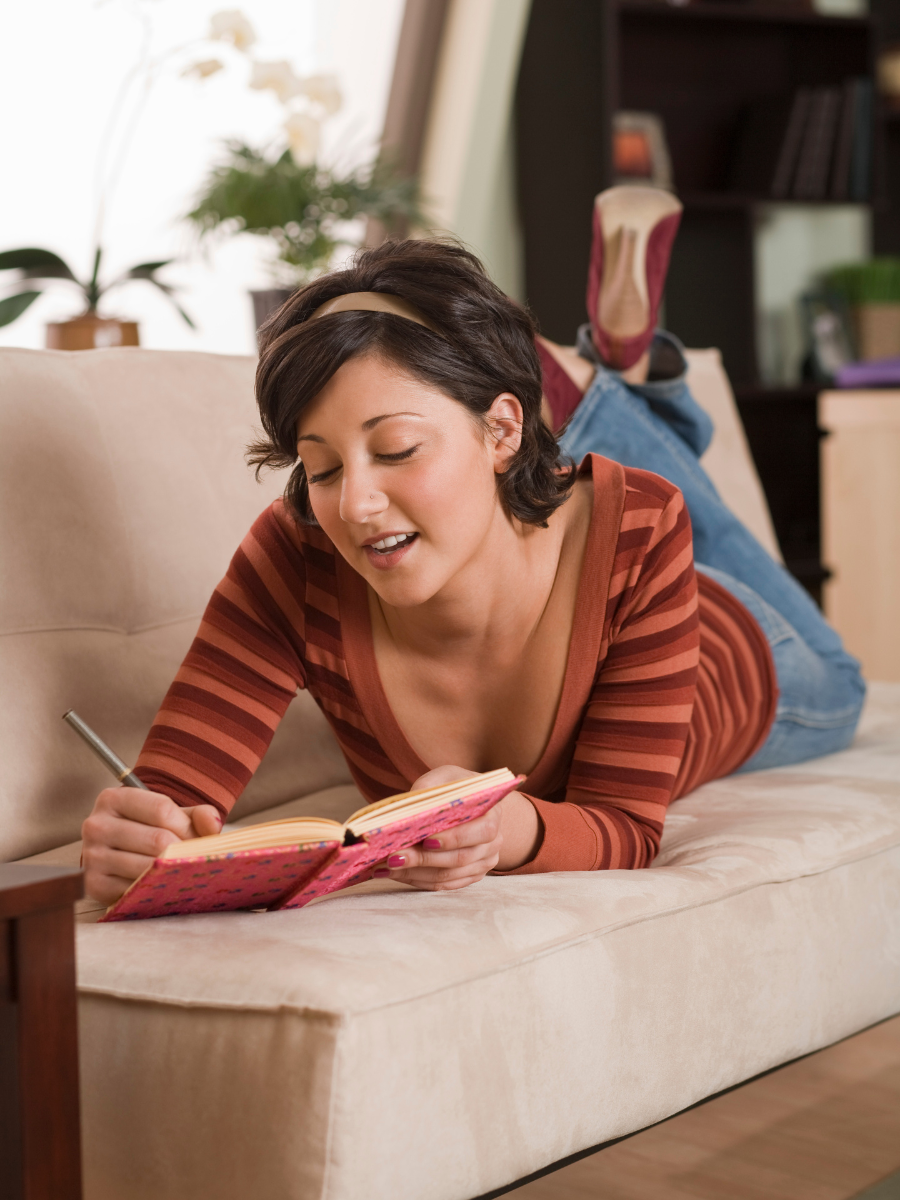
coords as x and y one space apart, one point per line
581 661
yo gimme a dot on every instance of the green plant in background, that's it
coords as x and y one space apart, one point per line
300 205
874 282
33 263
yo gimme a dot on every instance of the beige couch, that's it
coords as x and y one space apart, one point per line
390 1043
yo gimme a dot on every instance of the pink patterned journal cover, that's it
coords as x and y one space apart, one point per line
220 882
352 864
287 876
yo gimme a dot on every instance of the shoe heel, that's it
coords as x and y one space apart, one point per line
634 229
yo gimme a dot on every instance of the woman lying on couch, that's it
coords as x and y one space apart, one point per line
451 592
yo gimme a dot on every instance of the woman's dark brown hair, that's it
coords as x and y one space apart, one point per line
485 347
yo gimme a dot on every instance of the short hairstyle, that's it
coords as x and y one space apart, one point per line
485 347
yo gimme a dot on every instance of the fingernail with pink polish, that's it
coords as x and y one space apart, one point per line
431 844
380 873
396 860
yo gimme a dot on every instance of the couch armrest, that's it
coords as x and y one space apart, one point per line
40 1145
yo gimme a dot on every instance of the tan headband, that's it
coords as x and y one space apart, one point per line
373 302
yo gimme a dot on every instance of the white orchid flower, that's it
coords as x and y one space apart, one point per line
203 70
231 25
303 138
278 77
324 91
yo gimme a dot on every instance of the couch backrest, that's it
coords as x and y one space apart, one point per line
123 495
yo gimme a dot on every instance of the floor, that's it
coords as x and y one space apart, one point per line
824 1128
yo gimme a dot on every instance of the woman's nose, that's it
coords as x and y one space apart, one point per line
360 498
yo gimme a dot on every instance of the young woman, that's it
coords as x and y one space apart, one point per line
456 598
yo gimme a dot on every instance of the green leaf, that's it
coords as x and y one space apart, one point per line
48 272
37 263
874 282
146 270
167 292
13 306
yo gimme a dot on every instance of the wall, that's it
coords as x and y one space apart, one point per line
467 165
61 62
794 245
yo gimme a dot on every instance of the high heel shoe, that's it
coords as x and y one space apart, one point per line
634 228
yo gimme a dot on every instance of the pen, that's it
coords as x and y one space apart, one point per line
123 773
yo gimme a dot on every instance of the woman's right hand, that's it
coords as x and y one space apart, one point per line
128 829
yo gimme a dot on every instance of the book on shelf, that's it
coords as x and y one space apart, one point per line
814 144
842 163
286 864
786 167
814 162
861 159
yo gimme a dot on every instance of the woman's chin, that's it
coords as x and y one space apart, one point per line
399 593
403 587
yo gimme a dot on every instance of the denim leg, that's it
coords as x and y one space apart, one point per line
819 702
621 423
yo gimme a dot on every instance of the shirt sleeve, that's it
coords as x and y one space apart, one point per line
242 671
633 733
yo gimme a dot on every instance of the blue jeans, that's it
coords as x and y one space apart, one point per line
660 427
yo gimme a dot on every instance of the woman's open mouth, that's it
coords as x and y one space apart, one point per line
388 551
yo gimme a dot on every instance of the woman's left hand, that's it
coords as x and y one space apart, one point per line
456 857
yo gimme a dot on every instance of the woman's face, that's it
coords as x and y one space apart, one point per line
403 479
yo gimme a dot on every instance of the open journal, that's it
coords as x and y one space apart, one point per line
285 864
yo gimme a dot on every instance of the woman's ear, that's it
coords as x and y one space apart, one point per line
504 420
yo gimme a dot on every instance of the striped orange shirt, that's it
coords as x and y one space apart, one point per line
667 684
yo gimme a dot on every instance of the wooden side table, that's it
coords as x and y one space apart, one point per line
40 1144
861 524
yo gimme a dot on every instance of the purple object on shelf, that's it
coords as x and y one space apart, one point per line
882 372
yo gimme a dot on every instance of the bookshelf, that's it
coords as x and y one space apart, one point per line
698 67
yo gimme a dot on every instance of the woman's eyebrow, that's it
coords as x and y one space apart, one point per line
366 426
373 421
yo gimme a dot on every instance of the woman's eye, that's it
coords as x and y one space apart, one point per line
322 476
400 455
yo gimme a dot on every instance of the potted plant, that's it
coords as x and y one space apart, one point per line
872 292
232 35
89 330
301 206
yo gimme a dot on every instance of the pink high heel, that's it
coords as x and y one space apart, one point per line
634 228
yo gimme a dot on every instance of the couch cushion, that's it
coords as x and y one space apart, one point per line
123 495
420 1046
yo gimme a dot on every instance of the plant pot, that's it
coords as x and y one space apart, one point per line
90 332
877 328
269 301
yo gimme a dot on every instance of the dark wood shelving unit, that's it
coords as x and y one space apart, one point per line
698 66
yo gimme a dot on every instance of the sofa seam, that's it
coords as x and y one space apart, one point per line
339 1040
543 952
101 628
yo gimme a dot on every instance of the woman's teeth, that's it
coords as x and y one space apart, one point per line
392 542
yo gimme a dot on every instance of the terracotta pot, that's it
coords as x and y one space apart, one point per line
877 329
90 332
269 301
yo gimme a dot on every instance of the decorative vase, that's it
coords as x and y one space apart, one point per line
90 332
268 301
